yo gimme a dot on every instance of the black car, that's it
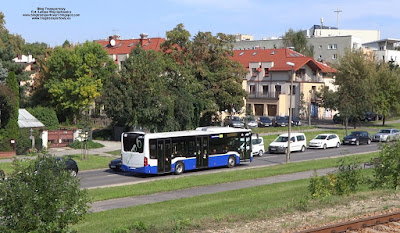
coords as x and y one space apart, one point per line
295 121
357 138
281 121
264 122
70 165
115 164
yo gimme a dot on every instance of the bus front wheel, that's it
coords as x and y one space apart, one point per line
231 161
179 168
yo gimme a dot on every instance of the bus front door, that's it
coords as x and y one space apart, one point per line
164 151
202 152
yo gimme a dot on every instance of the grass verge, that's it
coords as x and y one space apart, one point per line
214 211
151 187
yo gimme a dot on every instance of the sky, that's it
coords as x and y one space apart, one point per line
259 18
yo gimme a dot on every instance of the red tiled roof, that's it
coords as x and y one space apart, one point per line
279 57
125 46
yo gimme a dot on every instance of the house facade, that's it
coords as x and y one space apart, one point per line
268 82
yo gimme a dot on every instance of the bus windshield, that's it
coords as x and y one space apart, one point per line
133 142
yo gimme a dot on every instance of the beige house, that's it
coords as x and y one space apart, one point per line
268 82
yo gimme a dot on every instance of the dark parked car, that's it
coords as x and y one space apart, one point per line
295 120
233 121
281 121
115 164
370 116
357 138
70 165
264 122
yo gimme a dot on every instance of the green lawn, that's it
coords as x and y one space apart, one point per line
215 178
216 210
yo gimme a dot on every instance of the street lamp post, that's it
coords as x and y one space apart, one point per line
290 111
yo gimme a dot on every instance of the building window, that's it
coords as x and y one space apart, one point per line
332 46
334 56
266 70
265 90
252 89
254 72
320 46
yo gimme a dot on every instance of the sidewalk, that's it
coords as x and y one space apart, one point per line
108 146
100 206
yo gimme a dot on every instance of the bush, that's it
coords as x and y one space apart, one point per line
387 173
40 201
102 134
345 181
90 144
24 143
45 115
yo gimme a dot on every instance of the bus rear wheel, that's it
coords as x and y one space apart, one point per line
179 168
231 161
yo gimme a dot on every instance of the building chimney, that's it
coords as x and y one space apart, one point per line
143 38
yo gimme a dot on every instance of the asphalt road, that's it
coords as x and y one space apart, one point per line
107 178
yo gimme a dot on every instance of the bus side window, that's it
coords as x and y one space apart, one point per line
191 148
153 149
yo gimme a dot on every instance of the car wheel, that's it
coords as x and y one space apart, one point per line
357 143
179 168
324 147
338 145
369 141
74 173
261 153
303 148
231 161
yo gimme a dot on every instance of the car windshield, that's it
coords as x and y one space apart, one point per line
384 131
250 119
256 141
265 119
354 134
320 137
280 118
235 118
281 139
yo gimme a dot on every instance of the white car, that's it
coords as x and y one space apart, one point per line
385 135
297 143
324 141
257 145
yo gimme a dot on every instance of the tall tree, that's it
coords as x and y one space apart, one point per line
141 95
72 78
207 59
386 90
299 41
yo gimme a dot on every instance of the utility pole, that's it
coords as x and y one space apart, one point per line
337 17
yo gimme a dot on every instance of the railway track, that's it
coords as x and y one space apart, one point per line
378 223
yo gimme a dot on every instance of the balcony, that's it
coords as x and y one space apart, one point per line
268 95
308 78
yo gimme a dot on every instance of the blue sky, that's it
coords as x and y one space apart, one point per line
128 18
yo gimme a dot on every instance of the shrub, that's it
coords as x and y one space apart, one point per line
387 173
321 186
90 144
45 115
348 177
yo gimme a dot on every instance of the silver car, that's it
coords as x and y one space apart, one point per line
385 135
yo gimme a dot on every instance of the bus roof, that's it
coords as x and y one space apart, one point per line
199 131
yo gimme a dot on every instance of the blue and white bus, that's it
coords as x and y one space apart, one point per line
179 151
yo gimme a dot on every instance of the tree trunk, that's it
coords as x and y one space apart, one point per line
383 120
346 123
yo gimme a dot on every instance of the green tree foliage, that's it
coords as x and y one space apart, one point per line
179 88
3 73
45 115
299 41
41 197
387 172
36 49
207 59
9 106
141 96
72 78
386 90
8 101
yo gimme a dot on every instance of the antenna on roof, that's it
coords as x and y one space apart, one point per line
337 17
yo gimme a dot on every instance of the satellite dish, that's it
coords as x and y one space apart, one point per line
112 42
